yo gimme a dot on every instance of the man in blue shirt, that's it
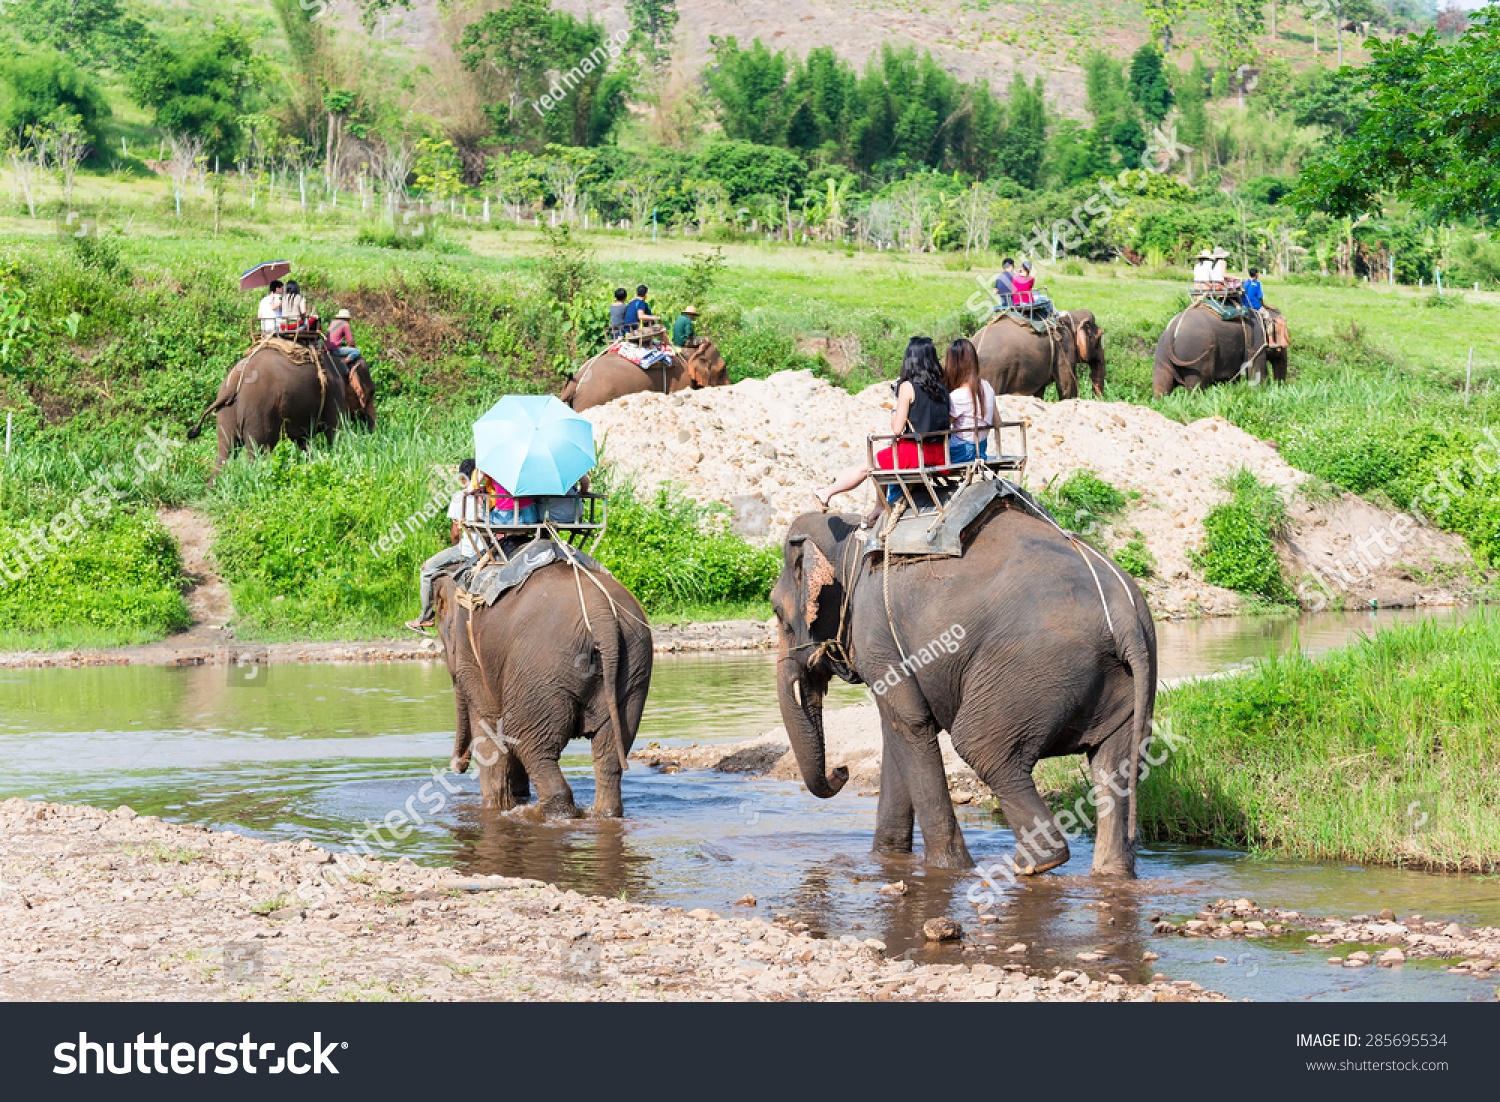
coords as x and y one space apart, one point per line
1254 297
1005 283
638 310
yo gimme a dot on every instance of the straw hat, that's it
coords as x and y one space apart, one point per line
344 314
1206 254
691 311
1221 254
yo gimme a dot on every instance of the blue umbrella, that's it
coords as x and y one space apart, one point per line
533 445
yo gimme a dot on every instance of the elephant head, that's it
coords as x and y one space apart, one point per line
705 367
809 600
1088 341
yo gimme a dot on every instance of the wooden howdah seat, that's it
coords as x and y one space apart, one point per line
575 519
927 488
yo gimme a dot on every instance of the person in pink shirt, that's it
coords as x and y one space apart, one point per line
1024 284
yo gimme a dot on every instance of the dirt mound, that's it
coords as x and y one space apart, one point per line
762 446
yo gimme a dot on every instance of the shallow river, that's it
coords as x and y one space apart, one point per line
318 750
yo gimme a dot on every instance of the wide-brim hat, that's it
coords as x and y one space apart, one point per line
1206 254
1221 254
343 314
693 310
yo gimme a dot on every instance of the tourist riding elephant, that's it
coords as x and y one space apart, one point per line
269 394
1200 348
1016 359
1031 645
535 670
610 376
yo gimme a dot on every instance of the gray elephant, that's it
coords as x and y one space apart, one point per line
270 394
1016 359
553 660
1200 348
1029 646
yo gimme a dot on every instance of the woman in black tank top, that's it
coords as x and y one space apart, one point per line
921 407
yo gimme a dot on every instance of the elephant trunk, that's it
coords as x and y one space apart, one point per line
801 700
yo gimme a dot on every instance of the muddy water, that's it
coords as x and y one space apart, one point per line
317 751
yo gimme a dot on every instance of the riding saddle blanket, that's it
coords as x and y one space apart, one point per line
489 581
643 357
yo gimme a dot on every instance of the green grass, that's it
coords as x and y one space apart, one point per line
1239 547
1375 406
1382 752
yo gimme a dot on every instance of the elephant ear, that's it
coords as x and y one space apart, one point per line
1082 336
816 575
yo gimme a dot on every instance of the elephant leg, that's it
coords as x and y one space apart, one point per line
1040 842
1114 844
894 815
539 744
607 776
503 783
920 762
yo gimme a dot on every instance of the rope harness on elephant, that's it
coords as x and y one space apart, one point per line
468 602
885 581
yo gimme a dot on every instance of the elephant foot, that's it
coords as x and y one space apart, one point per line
562 808
892 845
607 811
1033 870
953 857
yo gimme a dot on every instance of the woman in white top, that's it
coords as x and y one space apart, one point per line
971 403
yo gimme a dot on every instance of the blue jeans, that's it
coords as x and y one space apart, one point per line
526 514
960 450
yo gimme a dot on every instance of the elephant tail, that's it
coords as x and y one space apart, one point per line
213 407
1134 649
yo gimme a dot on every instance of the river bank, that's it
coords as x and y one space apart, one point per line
217 646
109 905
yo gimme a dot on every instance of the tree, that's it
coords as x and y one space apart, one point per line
517 183
24 152
38 85
750 87
1022 149
1148 84
1431 134
202 90
1233 25
67 146
89 32
555 77
1162 16
653 26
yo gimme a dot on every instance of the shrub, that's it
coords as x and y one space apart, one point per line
670 552
1239 551
1135 559
121 574
1082 498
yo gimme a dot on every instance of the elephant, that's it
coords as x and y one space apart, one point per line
610 376
268 395
1030 645
557 658
1199 348
1018 360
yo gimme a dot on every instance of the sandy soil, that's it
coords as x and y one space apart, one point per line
110 906
761 447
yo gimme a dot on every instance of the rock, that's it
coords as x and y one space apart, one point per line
702 912
1392 957
942 929
986 990
1221 960
1018 947
1453 929
1090 957
1148 956
1067 975
1114 978
1388 915
898 888
746 900
123 812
